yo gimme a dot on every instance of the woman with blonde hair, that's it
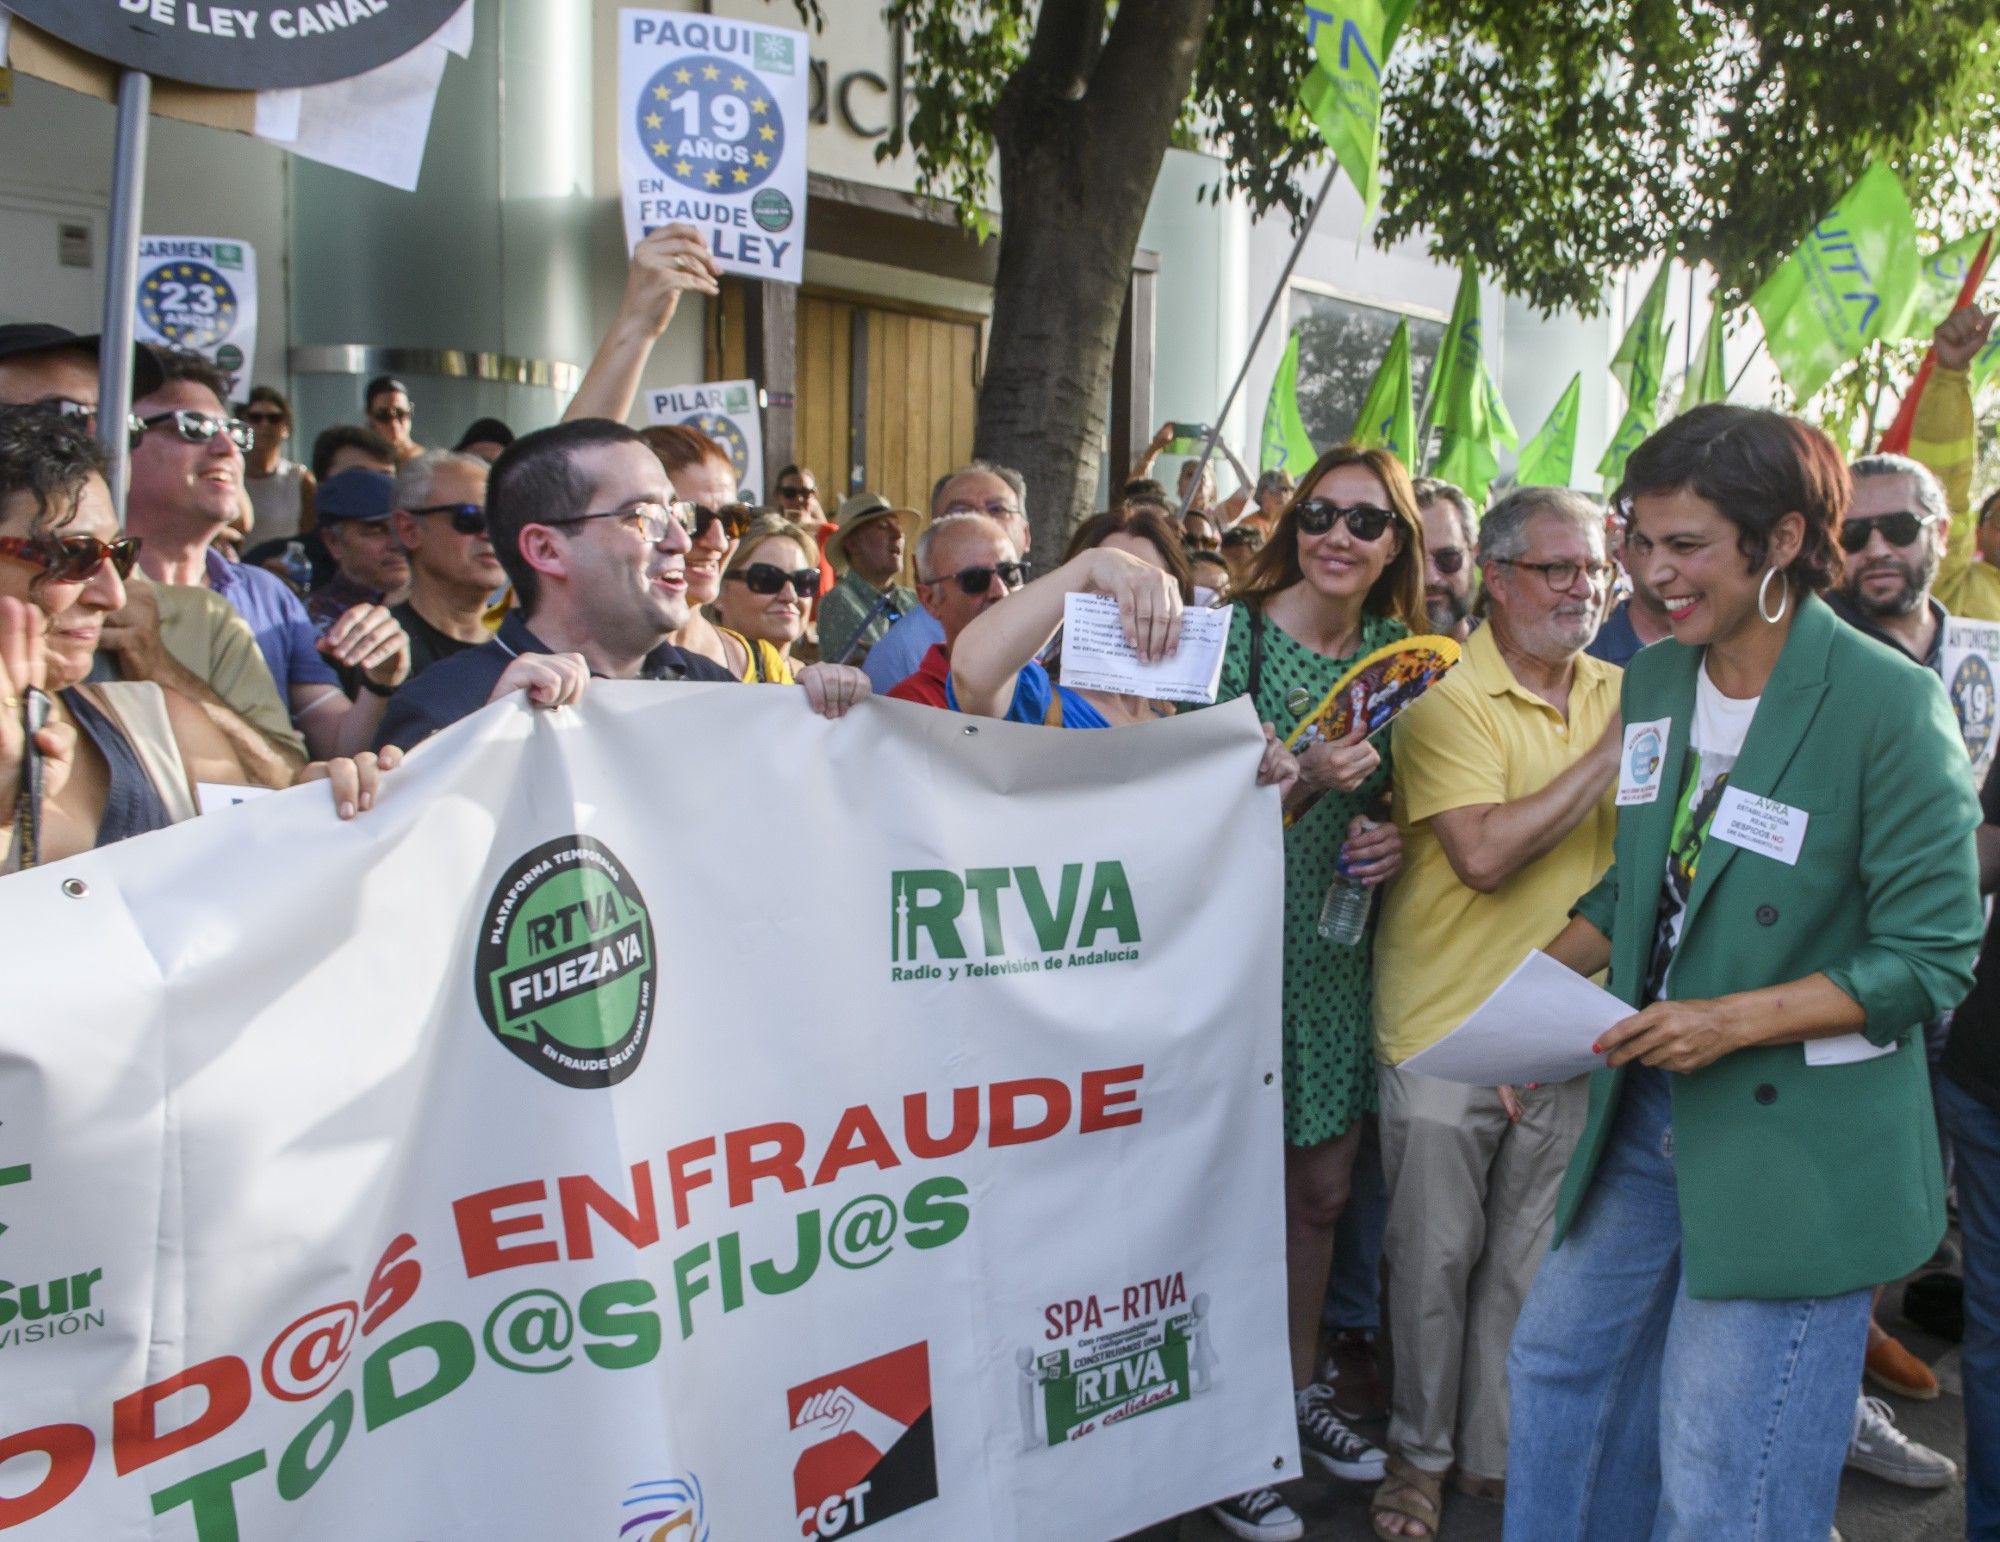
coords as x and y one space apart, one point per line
767 586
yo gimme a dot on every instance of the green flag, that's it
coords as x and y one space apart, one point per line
1940 276
1550 457
1286 443
1708 381
1642 356
1853 281
1388 417
1342 93
1468 410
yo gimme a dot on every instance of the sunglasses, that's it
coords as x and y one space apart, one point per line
735 519
1449 559
1365 522
86 415
1897 529
976 581
391 415
72 559
797 492
265 419
466 518
769 578
200 427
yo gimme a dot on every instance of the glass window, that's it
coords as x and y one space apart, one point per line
1341 345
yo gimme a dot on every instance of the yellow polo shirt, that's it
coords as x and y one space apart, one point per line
1479 737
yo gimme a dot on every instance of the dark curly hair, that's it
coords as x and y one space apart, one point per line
181 364
1755 466
49 458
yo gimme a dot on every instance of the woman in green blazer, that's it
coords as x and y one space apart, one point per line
1794 891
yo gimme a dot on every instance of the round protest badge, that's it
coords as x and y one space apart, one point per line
565 971
711 125
725 433
188 303
1972 701
242 45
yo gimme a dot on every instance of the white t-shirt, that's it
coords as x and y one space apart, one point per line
1715 739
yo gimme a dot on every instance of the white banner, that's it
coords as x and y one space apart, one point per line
712 132
1971 669
892 1141
726 411
200 293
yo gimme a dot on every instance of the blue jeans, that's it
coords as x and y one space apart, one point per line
1354 1293
1975 1137
1640 1413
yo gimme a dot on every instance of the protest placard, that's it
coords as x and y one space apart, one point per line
728 412
200 293
712 133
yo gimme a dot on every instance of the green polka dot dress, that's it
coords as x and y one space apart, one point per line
1329 1047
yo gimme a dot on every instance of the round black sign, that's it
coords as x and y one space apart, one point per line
242 45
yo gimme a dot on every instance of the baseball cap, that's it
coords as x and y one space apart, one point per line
40 337
356 493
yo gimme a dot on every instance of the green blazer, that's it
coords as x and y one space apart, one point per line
1797 1180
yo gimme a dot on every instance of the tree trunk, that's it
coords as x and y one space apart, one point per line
1081 130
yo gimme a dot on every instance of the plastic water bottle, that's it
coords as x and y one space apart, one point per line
1343 914
298 566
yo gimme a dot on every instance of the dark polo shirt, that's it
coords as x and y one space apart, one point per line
458 686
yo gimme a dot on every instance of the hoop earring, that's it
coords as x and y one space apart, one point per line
1784 597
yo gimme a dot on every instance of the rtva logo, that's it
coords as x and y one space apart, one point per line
1010 904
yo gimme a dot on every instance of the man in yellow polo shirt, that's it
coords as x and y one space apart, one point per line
1504 787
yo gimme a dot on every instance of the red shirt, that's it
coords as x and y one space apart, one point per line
927 685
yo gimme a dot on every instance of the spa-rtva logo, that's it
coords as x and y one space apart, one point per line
565 971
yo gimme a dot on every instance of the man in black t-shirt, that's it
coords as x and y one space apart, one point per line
586 525
440 519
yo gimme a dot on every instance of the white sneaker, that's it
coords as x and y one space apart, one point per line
1880 1448
1326 1438
1259 1516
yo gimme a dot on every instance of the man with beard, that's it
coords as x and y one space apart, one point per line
1451 536
1504 778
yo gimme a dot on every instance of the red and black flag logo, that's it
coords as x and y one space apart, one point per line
862 1443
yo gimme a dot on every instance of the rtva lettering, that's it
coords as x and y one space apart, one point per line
931 902
1833 239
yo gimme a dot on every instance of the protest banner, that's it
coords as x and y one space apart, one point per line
726 411
200 294
712 132
1971 661
539 1165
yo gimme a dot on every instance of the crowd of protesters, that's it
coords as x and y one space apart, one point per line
1638 1304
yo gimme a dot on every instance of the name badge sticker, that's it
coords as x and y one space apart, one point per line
1641 761
1762 825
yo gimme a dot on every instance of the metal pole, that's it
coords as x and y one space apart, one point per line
1687 340
1742 372
1277 294
121 277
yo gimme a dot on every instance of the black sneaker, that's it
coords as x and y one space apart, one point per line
1259 1516
1326 1438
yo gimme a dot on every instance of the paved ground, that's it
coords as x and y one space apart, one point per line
1870 1510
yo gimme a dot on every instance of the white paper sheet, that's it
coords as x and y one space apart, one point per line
1846 1049
1096 657
1537 1027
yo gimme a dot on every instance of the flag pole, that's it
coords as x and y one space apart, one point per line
121 279
1270 309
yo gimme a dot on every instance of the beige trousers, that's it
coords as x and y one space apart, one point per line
1472 1200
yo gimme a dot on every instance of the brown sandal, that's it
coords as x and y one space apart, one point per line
1413 1494
1494 1489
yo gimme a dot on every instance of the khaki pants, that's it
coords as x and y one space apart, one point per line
1472 1200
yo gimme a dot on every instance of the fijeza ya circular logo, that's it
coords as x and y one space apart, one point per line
711 125
565 971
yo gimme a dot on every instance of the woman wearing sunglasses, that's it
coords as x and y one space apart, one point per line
116 760
766 589
1794 891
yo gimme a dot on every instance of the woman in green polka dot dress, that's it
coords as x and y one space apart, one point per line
1342 575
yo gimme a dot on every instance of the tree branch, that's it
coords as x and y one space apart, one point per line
1147 68
1063 52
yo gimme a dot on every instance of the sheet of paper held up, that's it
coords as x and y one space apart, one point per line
1096 657
1537 1027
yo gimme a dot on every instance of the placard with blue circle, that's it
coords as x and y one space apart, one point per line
199 293
726 411
713 136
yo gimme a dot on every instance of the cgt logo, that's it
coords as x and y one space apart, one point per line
1010 905
862 1444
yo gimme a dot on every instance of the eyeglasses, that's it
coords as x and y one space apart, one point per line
466 518
1449 559
1365 522
976 581
1560 576
735 519
1898 529
1243 536
391 415
650 520
72 559
200 427
997 508
262 419
769 578
797 492
1201 543
85 414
